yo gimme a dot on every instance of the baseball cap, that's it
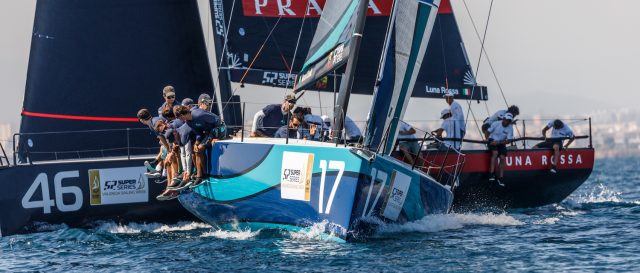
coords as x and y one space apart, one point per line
449 93
187 101
168 91
508 116
204 98
291 98
444 112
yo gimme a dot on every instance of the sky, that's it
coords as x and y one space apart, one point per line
552 57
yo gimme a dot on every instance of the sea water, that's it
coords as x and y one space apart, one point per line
596 229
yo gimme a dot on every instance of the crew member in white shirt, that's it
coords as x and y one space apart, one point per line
559 133
407 141
446 127
457 120
499 115
500 134
352 132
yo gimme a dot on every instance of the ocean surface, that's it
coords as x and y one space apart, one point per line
595 229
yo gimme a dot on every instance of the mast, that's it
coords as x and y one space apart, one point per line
340 109
228 103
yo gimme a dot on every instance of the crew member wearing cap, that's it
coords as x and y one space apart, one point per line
446 127
169 94
499 115
352 131
144 116
457 119
560 132
407 141
205 102
500 134
207 128
268 120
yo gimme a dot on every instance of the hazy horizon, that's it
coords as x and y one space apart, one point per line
552 57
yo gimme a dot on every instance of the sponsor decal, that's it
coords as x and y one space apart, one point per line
396 196
118 186
218 13
322 83
295 176
298 9
441 90
306 75
336 56
233 61
278 79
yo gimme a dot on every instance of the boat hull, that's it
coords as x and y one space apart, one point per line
78 193
334 186
527 178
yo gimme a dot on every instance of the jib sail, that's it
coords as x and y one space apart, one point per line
405 47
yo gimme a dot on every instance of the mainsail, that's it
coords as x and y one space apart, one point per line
250 22
405 47
93 64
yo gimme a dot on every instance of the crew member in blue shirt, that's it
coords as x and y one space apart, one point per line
144 116
169 95
207 128
268 120
500 134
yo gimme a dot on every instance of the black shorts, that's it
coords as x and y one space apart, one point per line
501 148
548 144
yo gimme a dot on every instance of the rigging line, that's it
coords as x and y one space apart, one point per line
252 62
224 45
475 84
483 50
295 51
493 71
444 55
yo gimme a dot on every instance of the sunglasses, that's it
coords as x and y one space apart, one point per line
171 97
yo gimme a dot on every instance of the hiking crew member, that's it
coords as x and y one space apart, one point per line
457 120
407 141
144 116
500 134
499 115
169 94
268 120
171 162
207 128
445 127
559 133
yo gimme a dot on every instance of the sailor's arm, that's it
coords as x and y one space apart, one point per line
257 123
544 131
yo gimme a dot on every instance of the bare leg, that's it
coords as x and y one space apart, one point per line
407 155
501 166
556 154
494 159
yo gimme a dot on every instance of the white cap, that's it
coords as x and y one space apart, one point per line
326 118
449 93
508 116
444 112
